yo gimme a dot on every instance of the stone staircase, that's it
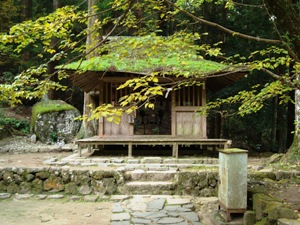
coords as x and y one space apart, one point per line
143 176
150 182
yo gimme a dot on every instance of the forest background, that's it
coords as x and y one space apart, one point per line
250 33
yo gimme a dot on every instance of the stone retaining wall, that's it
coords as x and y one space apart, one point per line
85 182
51 180
202 183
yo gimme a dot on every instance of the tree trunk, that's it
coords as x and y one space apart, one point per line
288 19
26 13
88 128
26 9
274 127
282 132
51 65
23 10
293 154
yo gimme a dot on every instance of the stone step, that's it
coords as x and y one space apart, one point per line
144 160
142 175
149 188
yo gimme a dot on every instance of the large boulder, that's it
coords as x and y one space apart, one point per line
54 120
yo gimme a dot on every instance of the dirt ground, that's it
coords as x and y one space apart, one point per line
54 212
29 159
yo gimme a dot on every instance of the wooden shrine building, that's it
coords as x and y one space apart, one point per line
173 121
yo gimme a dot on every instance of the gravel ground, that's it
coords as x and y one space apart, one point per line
23 144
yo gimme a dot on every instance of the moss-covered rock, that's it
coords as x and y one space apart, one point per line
212 181
43 175
260 203
7 177
25 187
249 218
85 189
13 188
65 175
288 222
258 175
17 179
3 186
37 186
207 192
98 175
278 210
54 184
81 177
270 209
263 222
29 177
71 188
54 121
105 186
201 180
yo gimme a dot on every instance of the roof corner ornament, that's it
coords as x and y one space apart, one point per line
168 91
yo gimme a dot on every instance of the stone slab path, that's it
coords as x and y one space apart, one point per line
154 209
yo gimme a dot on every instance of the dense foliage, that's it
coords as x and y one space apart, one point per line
251 34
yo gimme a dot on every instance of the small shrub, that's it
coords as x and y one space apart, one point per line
20 125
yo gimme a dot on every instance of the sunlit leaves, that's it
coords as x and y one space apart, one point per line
144 90
229 4
251 101
32 83
178 45
54 34
191 5
270 58
147 54
56 25
111 113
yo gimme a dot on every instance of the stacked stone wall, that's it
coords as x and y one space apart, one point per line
105 182
53 180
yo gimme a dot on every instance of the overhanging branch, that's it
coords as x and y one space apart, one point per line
218 26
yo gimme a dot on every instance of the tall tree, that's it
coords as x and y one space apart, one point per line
52 64
8 14
89 126
279 57
287 18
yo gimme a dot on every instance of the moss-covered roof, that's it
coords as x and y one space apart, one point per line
174 65
173 55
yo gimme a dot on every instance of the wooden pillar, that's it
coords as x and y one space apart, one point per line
175 150
131 129
79 150
101 119
203 118
130 149
88 126
173 113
